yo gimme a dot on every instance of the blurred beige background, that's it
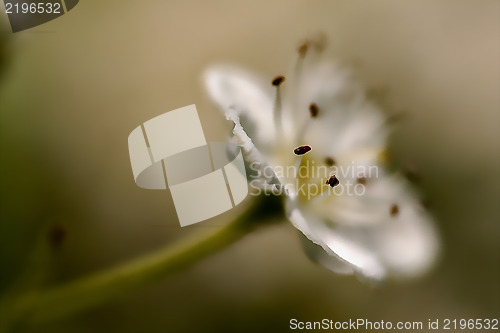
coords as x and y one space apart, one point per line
73 89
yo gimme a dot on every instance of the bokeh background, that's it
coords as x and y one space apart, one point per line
72 90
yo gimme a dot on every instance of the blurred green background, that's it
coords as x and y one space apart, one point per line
72 90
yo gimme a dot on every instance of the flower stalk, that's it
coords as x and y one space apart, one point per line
56 302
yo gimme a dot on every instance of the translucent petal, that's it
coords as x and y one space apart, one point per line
317 254
249 96
259 173
357 137
354 204
377 242
313 245
347 121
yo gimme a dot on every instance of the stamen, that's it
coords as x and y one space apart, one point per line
361 180
313 108
394 210
297 76
306 46
302 150
297 165
277 81
313 111
332 181
329 161
302 49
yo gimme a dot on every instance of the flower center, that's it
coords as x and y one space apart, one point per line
311 179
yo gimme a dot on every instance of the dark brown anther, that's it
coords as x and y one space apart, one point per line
314 110
278 80
394 210
361 180
329 161
302 150
302 49
332 181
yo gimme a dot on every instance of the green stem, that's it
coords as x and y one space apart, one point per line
102 287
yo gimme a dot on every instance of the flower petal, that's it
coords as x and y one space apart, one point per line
403 247
236 90
329 85
314 247
346 121
351 138
377 242
259 173
317 254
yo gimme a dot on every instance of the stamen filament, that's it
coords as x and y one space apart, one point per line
297 166
277 112
314 111
297 74
325 191
277 81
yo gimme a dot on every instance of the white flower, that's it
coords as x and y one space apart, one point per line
380 230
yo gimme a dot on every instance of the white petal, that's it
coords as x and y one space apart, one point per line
317 250
329 85
259 173
347 121
347 137
317 254
362 231
403 247
236 90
